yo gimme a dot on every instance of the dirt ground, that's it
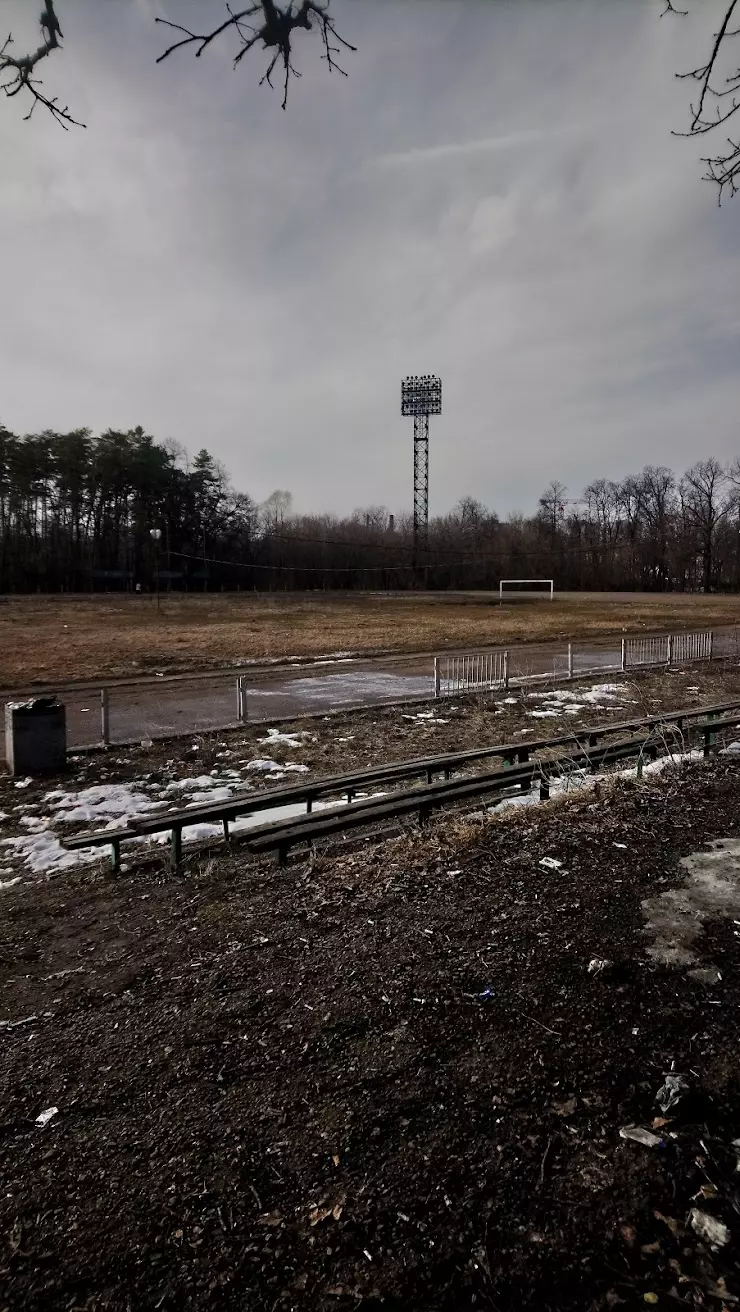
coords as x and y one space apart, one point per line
387 1079
53 639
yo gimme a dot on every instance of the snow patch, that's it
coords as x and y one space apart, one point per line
43 853
199 781
275 738
214 795
267 766
100 803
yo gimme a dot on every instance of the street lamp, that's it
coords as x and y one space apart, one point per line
156 535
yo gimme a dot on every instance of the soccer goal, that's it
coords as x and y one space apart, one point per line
531 589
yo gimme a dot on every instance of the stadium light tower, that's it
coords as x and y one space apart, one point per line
421 397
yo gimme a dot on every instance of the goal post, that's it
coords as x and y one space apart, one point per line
520 588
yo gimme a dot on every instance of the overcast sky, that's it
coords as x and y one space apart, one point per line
493 195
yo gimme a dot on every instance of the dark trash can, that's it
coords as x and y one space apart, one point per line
35 736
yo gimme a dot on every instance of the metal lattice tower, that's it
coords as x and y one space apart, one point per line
421 397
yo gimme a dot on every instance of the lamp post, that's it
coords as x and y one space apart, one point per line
156 536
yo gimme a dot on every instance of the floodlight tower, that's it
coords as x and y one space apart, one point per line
421 397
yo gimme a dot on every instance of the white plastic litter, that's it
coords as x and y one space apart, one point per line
44 1117
640 1135
708 1228
551 863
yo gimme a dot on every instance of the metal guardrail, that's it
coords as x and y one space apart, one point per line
518 768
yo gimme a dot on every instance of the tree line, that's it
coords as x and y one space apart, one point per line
121 511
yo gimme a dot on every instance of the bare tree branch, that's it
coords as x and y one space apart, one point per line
16 72
722 169
275 33
670 8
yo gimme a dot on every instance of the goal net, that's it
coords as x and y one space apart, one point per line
526 589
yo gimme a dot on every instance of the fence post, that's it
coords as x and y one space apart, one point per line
670 650
436 677
241 699
624 655
570 660
506 670
104 717
711 643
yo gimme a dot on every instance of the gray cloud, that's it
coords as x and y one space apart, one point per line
493 194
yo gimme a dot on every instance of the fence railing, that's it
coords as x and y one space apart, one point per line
164 707
646 651
672 649
483 671
490 671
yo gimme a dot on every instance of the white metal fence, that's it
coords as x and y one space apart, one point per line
691 647
673 649
479 672
164 707
645 651
489 671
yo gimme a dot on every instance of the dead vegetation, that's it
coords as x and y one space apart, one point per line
52 639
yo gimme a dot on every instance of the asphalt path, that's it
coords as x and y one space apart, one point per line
199 703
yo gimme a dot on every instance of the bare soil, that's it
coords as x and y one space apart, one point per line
386 1080
53 639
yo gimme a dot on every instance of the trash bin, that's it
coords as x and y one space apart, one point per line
35 736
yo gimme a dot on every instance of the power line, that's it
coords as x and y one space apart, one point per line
480 559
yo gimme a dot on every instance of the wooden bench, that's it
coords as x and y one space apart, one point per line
512 754
281 836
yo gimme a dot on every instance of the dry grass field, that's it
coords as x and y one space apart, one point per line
53 639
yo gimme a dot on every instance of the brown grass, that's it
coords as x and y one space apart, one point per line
51 639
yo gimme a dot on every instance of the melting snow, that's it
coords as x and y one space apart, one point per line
100 803
200 781
213 795
43 852
559 701
267 766
277 739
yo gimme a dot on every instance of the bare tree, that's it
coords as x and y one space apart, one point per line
656 491
551 507
17 71
275 33
262 21
702 489
717 99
